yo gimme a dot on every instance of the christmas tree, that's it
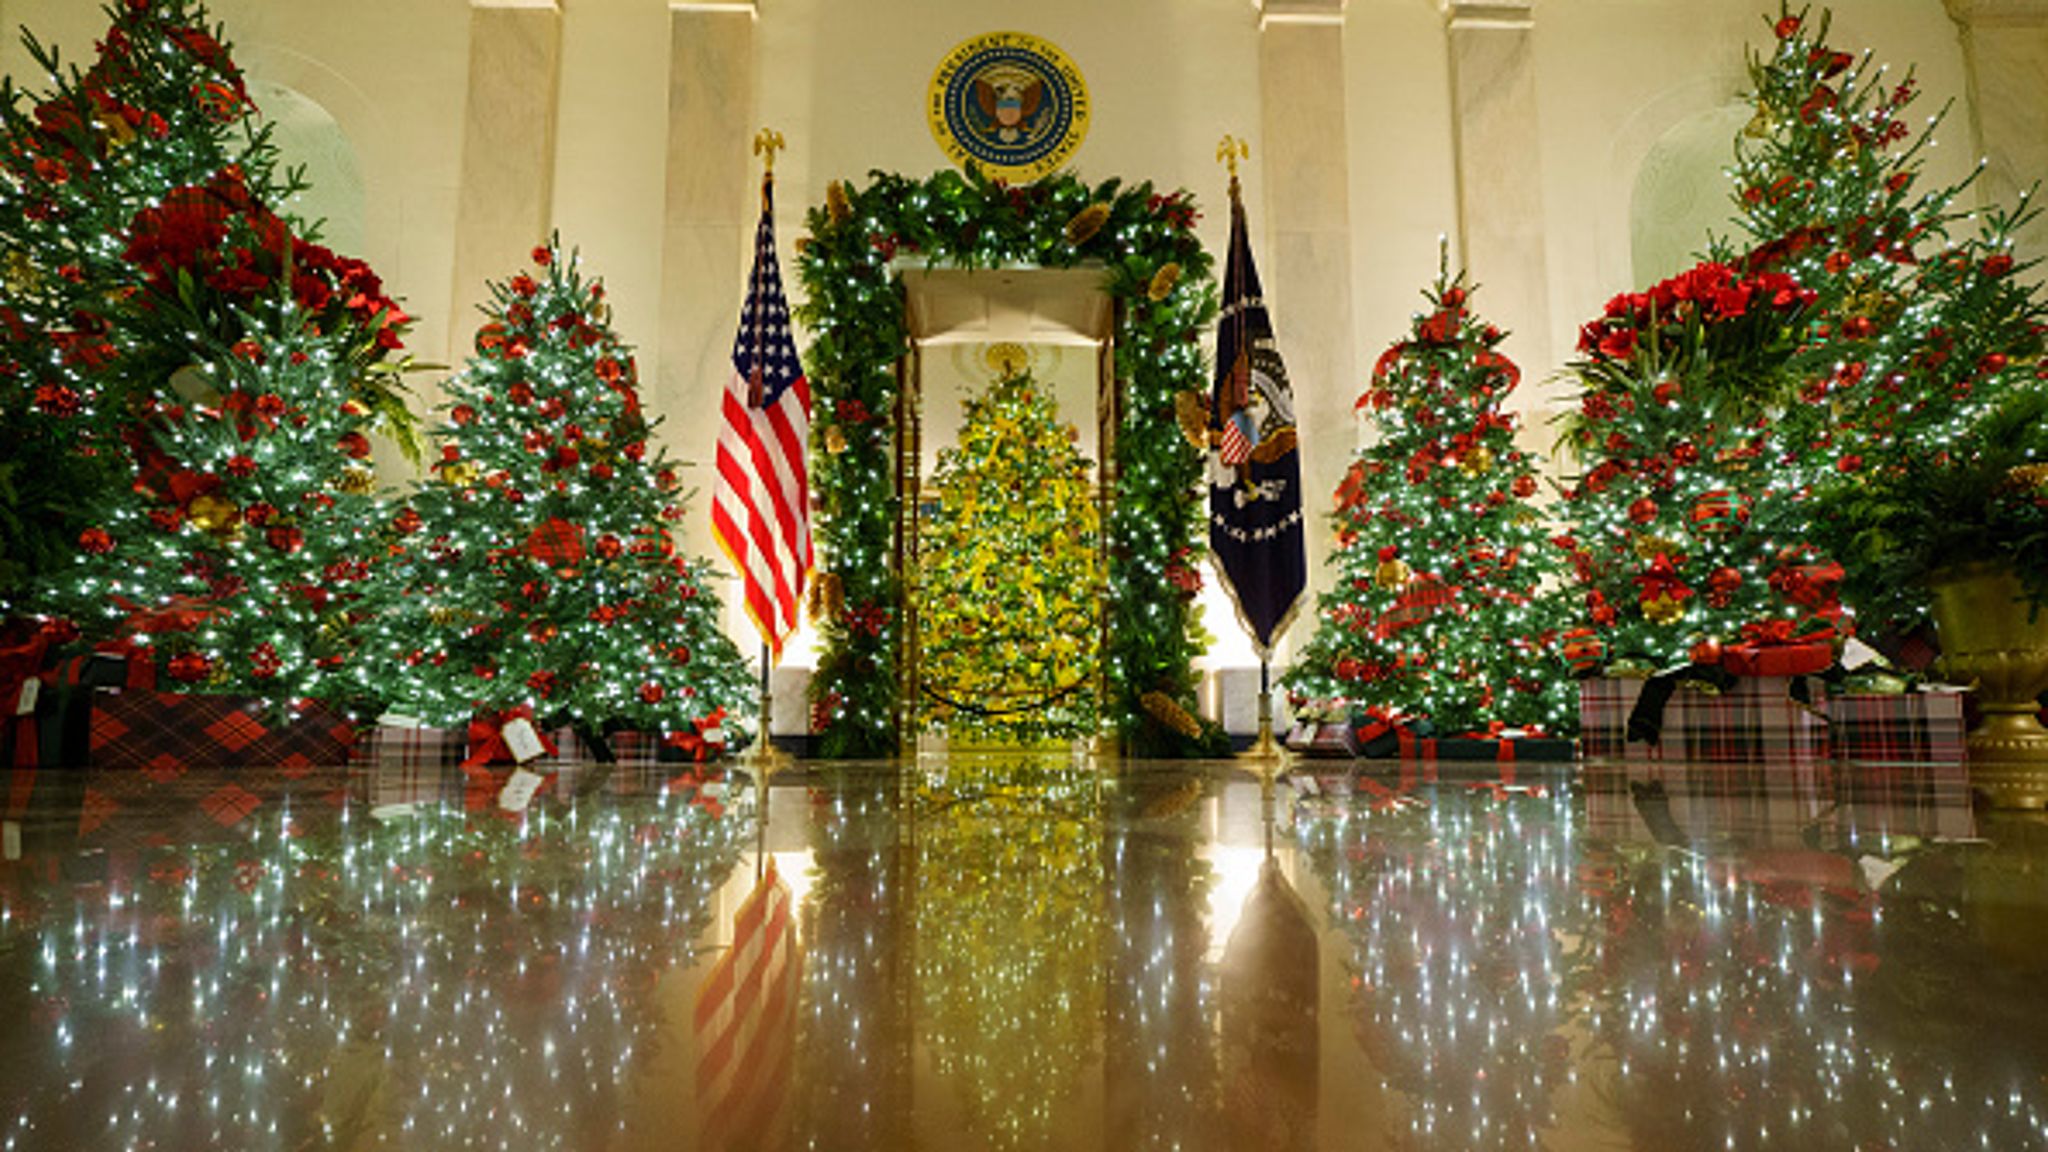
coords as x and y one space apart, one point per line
1012 574
538 567
216 369
1921 403
1674 441
1436 612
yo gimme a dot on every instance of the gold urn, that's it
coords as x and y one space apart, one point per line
1994 638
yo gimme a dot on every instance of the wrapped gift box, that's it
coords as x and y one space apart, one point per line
164 734
1323 740
1395 741
1900 748
407 764
1756 724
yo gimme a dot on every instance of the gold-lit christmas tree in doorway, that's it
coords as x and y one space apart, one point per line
1012 573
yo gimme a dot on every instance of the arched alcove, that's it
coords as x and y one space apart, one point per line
1682 191
308 136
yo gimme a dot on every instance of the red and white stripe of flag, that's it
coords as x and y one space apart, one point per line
760 512
746 1023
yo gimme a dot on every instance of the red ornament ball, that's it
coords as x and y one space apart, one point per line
651 692
95 541
1720 512
189 667
1643 510
1525 486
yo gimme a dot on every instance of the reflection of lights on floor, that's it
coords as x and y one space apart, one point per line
795 868
1237 873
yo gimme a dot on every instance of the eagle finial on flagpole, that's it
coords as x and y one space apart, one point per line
767 142
1229 151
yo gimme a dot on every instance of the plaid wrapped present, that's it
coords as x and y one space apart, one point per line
1322 739
1900 748
1756 724
164 734
394 746
407 764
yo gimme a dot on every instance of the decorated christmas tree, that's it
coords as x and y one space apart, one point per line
1436 612
80 161
212 369
1012 574
539 565
1676 450
1920 426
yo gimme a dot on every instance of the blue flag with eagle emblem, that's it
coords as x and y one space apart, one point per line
1256 534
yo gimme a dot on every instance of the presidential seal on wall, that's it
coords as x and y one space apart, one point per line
1011 103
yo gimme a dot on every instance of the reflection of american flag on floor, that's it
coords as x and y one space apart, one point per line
746 1024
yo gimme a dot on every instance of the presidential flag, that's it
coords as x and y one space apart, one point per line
760 512
1255 526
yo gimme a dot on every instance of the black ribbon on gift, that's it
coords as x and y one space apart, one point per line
1646 720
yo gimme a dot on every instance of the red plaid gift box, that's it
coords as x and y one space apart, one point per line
403 764
164 734
1900 748
1756 724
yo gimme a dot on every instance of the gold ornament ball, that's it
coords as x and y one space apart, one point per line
462 475
1477 462
215 515
356 482
1393 574
835 439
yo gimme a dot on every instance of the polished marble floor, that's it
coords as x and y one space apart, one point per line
1002 953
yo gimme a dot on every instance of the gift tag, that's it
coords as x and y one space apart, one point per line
518 791
1855 654
398 720
712 735
31 691
386 813
522 741
10 840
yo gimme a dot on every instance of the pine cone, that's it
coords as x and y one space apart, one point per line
1086 223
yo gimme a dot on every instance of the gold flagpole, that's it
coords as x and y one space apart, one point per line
764 759
1269 753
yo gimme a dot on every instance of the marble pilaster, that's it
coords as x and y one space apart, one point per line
708 212
1500 176
1304 245
506 196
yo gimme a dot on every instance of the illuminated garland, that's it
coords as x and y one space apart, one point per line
1157 276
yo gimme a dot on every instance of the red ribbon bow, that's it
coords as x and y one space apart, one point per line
487 736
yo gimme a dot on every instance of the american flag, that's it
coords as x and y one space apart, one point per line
760 512
745 1023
